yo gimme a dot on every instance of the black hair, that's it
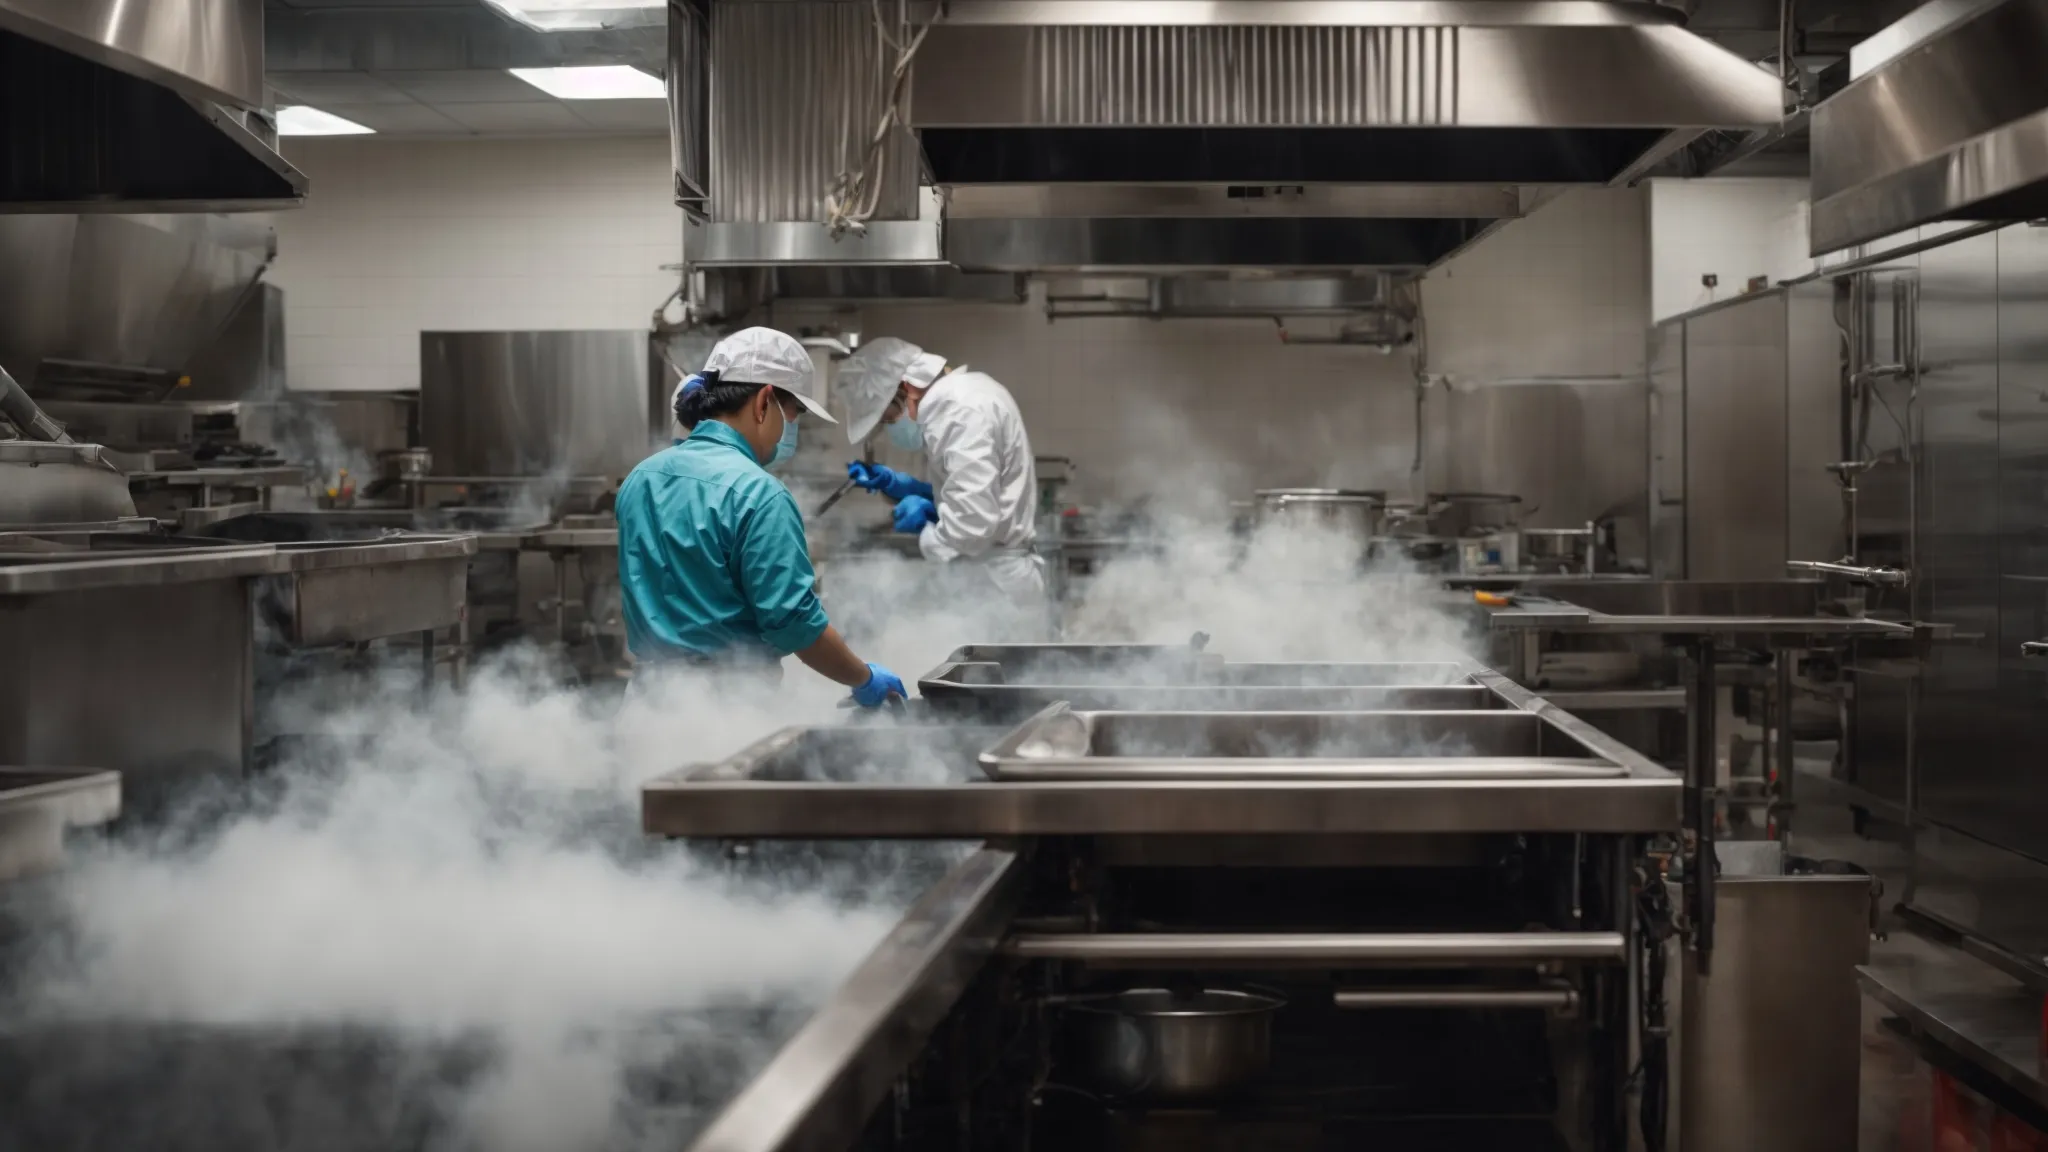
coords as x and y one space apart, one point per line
705 395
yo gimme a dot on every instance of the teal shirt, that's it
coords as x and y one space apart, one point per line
712 557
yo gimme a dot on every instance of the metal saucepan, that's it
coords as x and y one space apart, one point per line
1473 513
1160 1046
1356 513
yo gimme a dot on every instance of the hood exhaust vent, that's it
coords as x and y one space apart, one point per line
1168 136
1303 91
122 107
1944 122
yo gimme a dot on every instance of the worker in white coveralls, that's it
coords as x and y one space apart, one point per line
982 507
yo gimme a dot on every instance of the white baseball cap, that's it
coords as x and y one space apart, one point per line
765 356
868 381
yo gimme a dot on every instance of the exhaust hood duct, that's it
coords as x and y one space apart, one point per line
1950 127
110 105
793 86
1314 92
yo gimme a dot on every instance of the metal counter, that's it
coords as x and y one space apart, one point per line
788 786
1985 1018
37 807
136 654
838 1068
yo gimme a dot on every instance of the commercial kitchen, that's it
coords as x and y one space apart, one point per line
1540 505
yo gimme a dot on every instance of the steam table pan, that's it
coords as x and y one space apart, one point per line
1011 682
1062 743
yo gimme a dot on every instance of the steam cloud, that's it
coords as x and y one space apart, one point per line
456 898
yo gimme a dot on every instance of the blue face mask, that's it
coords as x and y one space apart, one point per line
785 447
905 434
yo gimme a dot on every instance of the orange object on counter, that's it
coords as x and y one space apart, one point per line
1494 599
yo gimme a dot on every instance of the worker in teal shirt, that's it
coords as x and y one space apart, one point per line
712 556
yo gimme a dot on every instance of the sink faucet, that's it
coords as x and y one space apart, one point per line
1880 577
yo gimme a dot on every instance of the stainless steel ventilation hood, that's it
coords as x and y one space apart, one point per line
1948 121
113 105
1168 136
1320 91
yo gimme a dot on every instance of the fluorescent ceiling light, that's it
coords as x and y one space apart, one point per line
583 15
299 120
603 82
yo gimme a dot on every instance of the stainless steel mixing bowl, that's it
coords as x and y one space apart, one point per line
1157 1046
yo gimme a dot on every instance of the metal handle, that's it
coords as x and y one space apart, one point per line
1880 577
1549 998
2034 650
1439 949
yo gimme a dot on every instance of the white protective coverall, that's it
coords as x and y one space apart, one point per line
986 485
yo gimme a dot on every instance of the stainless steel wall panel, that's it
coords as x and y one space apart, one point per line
136 291
1573 452
792 107
2020 821
536 403
1958 545
1999 796
1735 441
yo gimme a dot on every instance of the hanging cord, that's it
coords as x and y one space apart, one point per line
857 191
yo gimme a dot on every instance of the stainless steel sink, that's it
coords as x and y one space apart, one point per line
1013 682
877 753
1687 597
1063 744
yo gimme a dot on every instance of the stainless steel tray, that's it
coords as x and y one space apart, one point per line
1011 682
1062 743
877 753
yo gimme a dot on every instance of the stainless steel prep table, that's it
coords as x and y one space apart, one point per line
765 792
881 780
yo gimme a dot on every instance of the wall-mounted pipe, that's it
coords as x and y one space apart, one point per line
1549 998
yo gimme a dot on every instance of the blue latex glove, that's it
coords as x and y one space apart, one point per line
886 480
881 685
914 512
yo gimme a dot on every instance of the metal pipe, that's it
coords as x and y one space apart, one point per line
1552 998
22 412
1419 949
1880 577
1702 773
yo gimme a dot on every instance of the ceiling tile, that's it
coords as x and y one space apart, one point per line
323 88
396 118
475 86
651 115
534 117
